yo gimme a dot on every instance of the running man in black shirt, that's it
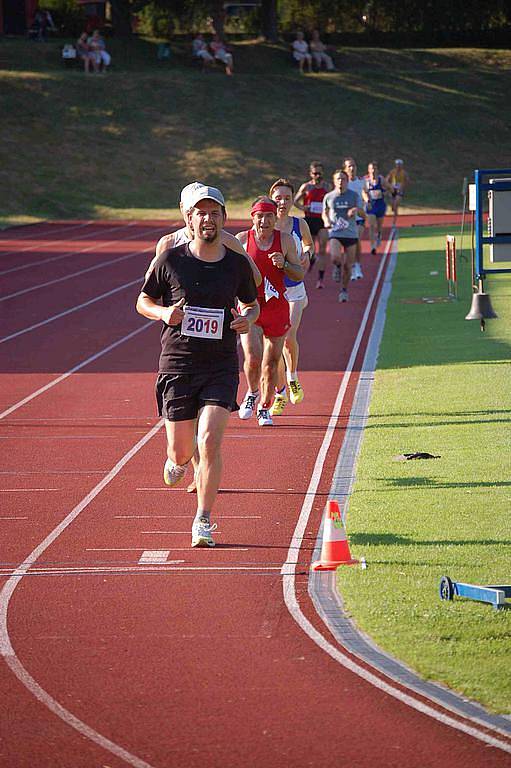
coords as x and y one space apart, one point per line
208 296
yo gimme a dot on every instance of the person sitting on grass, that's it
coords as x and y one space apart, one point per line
221 53
200 51
84 52
301 52
319 53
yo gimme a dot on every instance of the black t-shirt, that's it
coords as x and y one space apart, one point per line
212 285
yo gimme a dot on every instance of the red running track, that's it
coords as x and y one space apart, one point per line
196 662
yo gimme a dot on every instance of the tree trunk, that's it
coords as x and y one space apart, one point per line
218 17
269 20
121 17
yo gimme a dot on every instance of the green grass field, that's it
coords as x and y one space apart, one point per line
441 386
124 144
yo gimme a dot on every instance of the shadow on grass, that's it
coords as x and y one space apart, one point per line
156 126
389 539
430 482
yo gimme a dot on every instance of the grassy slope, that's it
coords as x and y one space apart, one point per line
124 144
442 387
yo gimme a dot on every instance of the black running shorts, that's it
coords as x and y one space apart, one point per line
346 241
180 396
315 224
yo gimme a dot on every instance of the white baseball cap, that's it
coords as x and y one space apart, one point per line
187 191
398 162
204 192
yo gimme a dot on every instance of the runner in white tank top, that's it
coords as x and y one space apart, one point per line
357 184
282 192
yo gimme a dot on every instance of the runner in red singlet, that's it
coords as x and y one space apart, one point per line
309 199
274 254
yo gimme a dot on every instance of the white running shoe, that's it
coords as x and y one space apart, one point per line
248 405
356 271
173 473
336 273
264 418
201 533
343 296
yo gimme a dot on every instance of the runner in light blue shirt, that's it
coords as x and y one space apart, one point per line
340 212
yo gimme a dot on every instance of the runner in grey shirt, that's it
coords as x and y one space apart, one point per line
340 212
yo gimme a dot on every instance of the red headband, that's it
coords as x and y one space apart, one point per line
263 207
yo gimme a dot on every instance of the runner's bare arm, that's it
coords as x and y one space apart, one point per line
299 197
163 244
325 215
292 264
234 244
245 317
307 244
148 307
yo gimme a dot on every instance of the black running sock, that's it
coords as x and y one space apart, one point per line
321 273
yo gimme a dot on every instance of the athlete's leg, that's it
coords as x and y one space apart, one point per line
252 343
272 352
210 431
281 375
180 440
291 347
336 253
347 262
379 226
372 231
395 209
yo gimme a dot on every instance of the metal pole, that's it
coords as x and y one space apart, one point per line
479 227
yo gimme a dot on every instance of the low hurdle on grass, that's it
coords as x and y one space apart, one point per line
494 594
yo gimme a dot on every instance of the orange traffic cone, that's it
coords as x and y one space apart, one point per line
335 549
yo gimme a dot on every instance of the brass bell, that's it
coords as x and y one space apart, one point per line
481 308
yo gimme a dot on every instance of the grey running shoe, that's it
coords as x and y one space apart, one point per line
343 296
201 533
173 473
336 273
248 405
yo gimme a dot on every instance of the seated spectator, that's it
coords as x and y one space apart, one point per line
84 52
301 52
221 53
319 53
98 48
200 51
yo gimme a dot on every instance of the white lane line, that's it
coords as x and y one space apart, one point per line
62 279
288 580
185 517
13 518
75 368
94 267
133 569
72 309
28 490
154 556
6 648
34 237
59 437
220 490
66 255
172 549
168 533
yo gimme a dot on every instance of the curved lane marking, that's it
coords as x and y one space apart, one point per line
6 648
289 567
